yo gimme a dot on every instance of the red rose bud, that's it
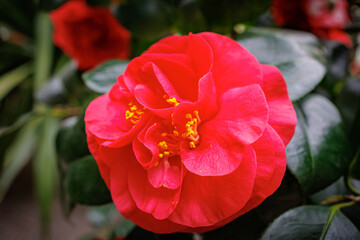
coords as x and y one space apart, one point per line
192 135
324 18
90 35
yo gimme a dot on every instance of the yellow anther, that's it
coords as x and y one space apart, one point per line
196 112
176 133
161 155
133 108
163 134
134 114
166 153
188 115
129 114
192 145
162 145
172 101
157 163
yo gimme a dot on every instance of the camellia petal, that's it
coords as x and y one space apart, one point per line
232 61
282 116
105 117
205 200
160 202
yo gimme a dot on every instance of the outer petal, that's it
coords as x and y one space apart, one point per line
271 167
233 65
241 121
105 118
117 183
282 116
205 200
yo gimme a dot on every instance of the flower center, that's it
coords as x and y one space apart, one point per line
170 144
134 113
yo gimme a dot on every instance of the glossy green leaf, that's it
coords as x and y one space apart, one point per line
318 154
11 79
147 19
72 133
45 170
18 154
84 183
349 105
104 76
296 57
312 223
331 194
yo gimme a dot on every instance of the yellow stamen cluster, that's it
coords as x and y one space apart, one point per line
171 100
170 145
134 113
191 129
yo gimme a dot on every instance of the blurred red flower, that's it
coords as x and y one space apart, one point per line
324 18
192 135
90 35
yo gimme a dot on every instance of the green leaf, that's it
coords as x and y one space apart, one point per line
84 183
45 170
44 49
11 79
318 153
18 154
333 193
312 222
72 133
295 54
104 76
146 19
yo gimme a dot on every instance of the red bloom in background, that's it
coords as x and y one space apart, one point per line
192 135
326 19
90 35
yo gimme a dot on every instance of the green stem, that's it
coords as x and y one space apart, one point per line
333 210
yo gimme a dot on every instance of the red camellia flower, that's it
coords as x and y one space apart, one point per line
192 135
90 35
324 18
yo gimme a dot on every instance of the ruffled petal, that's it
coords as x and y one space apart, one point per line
160 202
233 65
271 167
169 45
282 116
123 199
241 121
167 173
205 200
153 102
